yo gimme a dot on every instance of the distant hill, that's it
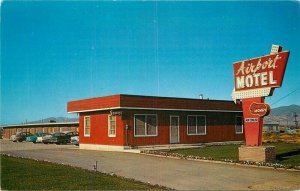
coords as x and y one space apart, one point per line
285 110
55 119
284 115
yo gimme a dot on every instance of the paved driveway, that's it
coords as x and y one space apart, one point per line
173 173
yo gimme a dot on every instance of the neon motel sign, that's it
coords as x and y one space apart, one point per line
254 79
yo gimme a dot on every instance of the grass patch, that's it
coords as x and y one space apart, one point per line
286 153
28 174
216 152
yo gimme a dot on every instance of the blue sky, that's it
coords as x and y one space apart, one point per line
54 52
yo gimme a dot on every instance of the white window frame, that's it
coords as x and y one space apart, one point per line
187 125
84 127
236 124
156 127
109 126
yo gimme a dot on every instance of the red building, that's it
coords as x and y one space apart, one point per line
118 122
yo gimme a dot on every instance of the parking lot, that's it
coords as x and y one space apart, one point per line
173 173
9 146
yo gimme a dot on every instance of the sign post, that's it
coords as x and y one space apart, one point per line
255 79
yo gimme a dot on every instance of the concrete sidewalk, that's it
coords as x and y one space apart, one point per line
173 173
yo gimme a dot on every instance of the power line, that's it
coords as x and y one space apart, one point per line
285 96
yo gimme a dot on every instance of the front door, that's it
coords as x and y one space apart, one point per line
174 129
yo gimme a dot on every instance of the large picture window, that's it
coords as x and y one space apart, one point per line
196 125
239 125
87 126
145 125
111 126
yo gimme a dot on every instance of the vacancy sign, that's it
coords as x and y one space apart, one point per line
260 109
262 72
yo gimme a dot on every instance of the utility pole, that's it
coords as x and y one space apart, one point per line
296 121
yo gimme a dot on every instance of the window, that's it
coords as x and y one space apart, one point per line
196 125
87 126
145 125
238 125
111 126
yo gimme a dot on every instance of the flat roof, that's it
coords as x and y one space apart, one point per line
124 101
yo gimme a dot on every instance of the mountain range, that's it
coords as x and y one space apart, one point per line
284 115
55 120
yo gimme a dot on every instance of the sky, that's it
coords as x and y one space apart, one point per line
55 52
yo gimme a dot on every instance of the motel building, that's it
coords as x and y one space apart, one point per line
121 122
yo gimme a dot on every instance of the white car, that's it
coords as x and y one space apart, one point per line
42 138
75 140
13 138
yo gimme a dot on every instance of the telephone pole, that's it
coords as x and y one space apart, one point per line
296 121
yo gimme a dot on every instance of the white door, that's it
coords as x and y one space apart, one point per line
174 129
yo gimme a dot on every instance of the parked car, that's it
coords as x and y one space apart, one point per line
70 135
33 138
13 138
290 131
75 140
44 139
21 136
57 138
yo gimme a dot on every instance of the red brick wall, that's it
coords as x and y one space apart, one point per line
99 129
8 132
220 127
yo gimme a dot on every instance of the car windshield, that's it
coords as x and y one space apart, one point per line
41 134
72 133
58 134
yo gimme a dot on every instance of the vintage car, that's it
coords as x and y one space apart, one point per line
57 138
21 136
290 131
71 134
42 139
33 138
13 138
75 140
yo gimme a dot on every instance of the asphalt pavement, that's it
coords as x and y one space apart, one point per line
173 173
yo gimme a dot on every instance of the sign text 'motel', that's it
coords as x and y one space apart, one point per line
262 72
